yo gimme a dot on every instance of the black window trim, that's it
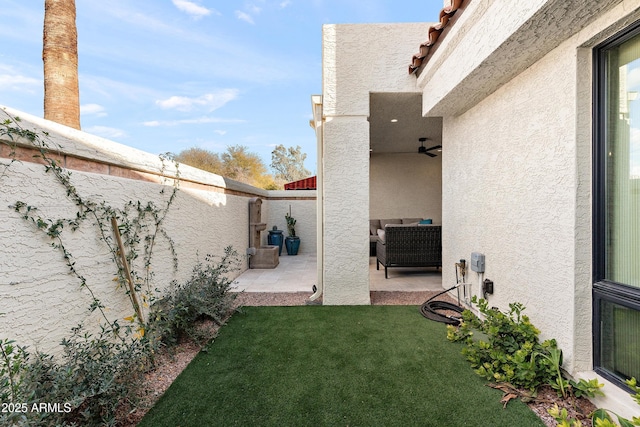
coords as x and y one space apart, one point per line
604 289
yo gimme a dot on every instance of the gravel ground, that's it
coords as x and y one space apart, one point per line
170 364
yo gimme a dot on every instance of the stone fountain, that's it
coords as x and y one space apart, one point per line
259 256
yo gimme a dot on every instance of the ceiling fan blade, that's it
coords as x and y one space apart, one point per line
430 154
435 147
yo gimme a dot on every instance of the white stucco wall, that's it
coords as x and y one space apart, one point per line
41 301
492 41
405 186
509 173
357 60
517 164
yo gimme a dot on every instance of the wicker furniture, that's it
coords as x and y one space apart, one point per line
378 224
409 246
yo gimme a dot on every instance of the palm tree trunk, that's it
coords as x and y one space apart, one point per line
60 57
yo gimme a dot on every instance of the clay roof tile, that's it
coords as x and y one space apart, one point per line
433 33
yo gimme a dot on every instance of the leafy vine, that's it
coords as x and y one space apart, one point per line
137 223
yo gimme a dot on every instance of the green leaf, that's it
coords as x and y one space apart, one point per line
600 414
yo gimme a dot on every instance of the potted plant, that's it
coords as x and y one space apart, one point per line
291 242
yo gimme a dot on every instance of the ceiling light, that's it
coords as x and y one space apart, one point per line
394 120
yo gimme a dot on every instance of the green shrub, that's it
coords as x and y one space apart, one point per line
97 377
94 378
604 417
507 348
206 295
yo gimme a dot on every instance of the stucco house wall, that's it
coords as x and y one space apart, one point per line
517 164
41 301
353 67
415 186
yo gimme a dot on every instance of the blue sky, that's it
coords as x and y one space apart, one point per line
167 75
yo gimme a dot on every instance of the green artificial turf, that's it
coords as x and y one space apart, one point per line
333 366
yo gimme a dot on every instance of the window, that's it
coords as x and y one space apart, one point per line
616 289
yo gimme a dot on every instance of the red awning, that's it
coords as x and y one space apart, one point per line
303 184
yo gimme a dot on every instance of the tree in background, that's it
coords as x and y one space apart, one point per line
60 58
235 163
201 159
288 163
244 166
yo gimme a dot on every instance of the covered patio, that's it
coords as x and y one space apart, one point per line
299 274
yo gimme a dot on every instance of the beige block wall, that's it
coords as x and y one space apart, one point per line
405 186
302 205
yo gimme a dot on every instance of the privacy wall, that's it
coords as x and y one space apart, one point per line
42 299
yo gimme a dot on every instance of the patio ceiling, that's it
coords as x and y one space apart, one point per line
401 136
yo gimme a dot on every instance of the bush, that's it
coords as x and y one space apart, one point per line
95 377
508 348
98 376
206 295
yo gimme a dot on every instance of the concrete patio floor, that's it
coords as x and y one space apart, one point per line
298 274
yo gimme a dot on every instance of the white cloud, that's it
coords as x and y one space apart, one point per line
193 9
114 89
285 3
209 101
633 79
106 132
11 79
244 17
254 9
220 132
93 109
196 121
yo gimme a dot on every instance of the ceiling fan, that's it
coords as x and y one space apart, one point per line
424 150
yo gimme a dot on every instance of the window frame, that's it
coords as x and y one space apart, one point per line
604 289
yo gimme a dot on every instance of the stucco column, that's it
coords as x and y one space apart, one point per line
346 210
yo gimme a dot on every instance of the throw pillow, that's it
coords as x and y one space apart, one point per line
374 224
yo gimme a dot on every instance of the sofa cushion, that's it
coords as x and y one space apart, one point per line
374 225
385 222
411 221
381 234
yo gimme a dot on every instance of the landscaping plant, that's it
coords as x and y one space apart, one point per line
600 417
291 224
98 376
504 347
205 295
507 348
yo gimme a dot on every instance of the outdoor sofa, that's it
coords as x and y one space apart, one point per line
376 226
404 245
